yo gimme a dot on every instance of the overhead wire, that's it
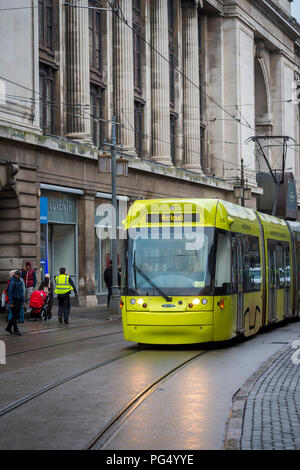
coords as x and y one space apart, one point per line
88 116
123 19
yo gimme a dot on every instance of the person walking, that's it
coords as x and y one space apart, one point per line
29 276
6 296
47 286
63 288
15 297
108 281
21 312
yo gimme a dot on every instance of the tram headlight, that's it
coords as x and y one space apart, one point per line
140 301
132 301
196 301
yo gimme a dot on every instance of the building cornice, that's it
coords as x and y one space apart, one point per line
216 4
53 144
150 166
279 17
48 143
233 9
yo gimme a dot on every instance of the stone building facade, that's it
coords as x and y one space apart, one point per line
190 80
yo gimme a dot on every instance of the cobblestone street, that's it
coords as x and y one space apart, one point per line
272 413
265 414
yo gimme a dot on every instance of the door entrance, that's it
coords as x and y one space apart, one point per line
272 289
62 250
237 276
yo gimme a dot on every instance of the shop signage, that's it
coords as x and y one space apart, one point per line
61 207
43 210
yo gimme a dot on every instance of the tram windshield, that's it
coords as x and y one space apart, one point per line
176 261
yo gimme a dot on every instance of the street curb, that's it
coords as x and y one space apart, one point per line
234 426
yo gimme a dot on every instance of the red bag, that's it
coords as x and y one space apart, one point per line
37 299
6 292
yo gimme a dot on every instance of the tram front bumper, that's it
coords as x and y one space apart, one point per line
180 334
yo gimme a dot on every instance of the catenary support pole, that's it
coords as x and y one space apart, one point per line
115 298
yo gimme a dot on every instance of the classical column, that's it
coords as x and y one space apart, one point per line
78 73
161 151
123 73
191 84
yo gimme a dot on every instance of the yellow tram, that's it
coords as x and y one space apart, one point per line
201 270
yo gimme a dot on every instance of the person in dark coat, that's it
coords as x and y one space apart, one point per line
15 298
29 276
108 281
47 286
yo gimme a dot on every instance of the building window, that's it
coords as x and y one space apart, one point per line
173 120
138 127
46 99
137 53
171 16
97 128
47 65
96 59
171 52
137 61
136 5
139 103
95 39
172 75
46 24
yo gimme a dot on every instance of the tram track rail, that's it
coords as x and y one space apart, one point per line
26 398
112 427
59 328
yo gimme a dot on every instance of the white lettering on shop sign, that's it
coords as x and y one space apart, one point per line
61 205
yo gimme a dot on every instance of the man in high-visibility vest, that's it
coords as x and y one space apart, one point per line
63 288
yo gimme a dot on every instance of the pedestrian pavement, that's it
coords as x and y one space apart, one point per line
79 316
265 413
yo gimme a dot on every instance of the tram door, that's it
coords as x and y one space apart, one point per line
237 280
287 271
272 292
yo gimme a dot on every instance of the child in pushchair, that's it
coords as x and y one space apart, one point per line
39 305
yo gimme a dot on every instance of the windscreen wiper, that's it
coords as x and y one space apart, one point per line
165 296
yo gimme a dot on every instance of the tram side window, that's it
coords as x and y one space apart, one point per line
223 265
251 264
287 265
280 271
298 260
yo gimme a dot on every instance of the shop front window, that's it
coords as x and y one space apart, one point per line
103 236
59 235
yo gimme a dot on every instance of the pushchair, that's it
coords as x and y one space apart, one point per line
39 304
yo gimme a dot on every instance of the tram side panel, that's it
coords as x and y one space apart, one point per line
238 300
295 235
224 300
279 269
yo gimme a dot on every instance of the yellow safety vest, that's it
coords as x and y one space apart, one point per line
62 285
